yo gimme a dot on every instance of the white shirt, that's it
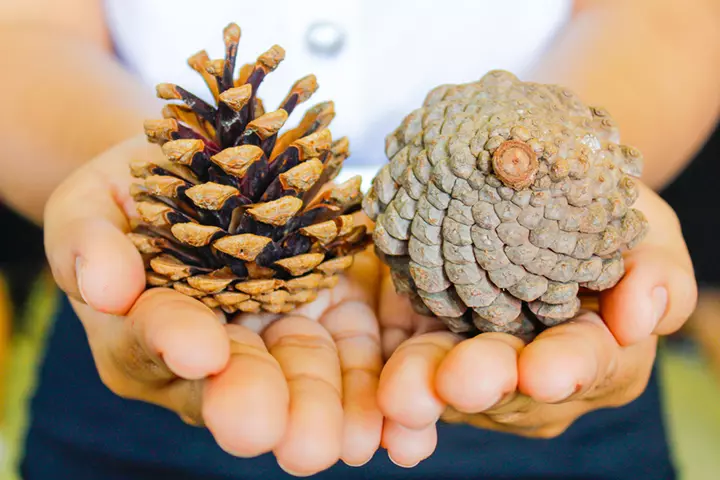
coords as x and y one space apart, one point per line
392 52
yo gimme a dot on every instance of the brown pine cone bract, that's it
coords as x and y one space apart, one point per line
500 201
239 215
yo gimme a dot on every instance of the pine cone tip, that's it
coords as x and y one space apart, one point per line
240 215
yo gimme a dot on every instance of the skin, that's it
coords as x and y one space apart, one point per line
316 374
311 382
629 57
704 327
602 358
653 65
259 383
87 83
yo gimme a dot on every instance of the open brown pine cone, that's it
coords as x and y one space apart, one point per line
239 215
502 201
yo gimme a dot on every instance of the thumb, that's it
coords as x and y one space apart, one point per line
658 292
85 223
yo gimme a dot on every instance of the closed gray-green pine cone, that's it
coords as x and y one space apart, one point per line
501 200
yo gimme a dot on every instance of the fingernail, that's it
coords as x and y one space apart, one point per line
291 472
79 265
400 465
659 301
355 465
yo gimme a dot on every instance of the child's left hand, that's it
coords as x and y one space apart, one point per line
498 382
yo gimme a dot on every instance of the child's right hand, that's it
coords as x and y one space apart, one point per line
303 388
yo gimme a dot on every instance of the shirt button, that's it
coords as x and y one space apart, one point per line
325 38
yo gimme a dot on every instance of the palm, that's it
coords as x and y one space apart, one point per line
302 386
329 353
539 389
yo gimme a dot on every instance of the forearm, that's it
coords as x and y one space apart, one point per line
653 66
64 100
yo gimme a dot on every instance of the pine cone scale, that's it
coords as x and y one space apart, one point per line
500 200
239 214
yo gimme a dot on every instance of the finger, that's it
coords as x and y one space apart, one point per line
308 357
532 421
246 405
567 361
479 372
656 296
408 447
359 283
406 393
395 310
364 279
255 322
658 292
166 333
356 284
504 418
623 379
345 311
85 220
398 319
160 353
354 328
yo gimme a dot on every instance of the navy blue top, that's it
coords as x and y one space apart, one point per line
80 430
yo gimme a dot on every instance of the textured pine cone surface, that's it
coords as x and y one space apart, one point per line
239 215
502 202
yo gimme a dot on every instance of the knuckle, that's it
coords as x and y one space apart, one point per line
529 421
134 362
299 331
335 320
532 427
316 381
510 418
520 411
435 343
524 416
126 375
629 393
628 387
370 371
317 343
